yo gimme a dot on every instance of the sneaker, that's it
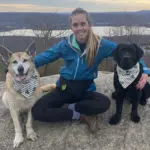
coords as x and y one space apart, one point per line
91 122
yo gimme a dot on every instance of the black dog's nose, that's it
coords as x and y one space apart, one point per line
127 55
20 69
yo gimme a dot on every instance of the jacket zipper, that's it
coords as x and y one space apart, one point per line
76 68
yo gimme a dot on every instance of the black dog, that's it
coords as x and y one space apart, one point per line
128 72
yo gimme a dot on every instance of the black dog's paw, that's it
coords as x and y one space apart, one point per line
135 118
114 95
115 119
143 102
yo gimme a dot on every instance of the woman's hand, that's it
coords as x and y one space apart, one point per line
142 81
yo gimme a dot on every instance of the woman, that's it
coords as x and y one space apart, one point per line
82 53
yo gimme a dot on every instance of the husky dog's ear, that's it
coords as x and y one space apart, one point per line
31 50
139 51
5 55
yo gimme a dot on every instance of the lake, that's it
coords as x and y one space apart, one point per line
100 30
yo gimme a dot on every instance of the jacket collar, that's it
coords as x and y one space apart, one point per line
74 45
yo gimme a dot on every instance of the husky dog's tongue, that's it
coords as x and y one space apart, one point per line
20 77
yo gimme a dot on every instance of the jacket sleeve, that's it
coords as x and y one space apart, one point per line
49 55
145 69
109 47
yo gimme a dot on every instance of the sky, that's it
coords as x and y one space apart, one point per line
69 5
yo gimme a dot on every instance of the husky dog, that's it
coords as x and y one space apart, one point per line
22 88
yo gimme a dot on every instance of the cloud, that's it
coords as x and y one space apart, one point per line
117 5
42 2
69 5
32 8
117 1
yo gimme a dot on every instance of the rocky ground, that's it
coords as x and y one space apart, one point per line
75 136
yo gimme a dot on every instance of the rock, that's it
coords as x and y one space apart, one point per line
75 136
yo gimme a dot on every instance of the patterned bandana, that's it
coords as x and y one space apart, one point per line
126 77
27 87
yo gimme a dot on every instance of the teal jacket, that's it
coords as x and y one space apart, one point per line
75 63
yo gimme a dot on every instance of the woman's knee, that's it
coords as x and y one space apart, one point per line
100 104
106 104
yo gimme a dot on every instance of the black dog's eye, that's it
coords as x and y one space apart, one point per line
25 60
14 62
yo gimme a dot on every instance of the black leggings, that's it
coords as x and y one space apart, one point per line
49 107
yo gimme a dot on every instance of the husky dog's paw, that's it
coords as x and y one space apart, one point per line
135 118
18 140
115 119
32 136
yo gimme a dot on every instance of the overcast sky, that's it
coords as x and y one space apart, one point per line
69 5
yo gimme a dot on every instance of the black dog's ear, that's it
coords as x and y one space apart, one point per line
139 51
116 51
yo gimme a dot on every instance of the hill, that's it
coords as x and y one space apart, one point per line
11 20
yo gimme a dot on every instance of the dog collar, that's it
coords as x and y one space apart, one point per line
126 77
27 87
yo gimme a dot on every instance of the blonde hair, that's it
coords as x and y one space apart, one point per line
93 41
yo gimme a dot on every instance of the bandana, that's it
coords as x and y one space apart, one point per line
126 77
27 87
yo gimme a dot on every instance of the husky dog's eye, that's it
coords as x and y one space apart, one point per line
14 62
25 60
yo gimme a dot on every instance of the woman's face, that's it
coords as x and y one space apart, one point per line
80 27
